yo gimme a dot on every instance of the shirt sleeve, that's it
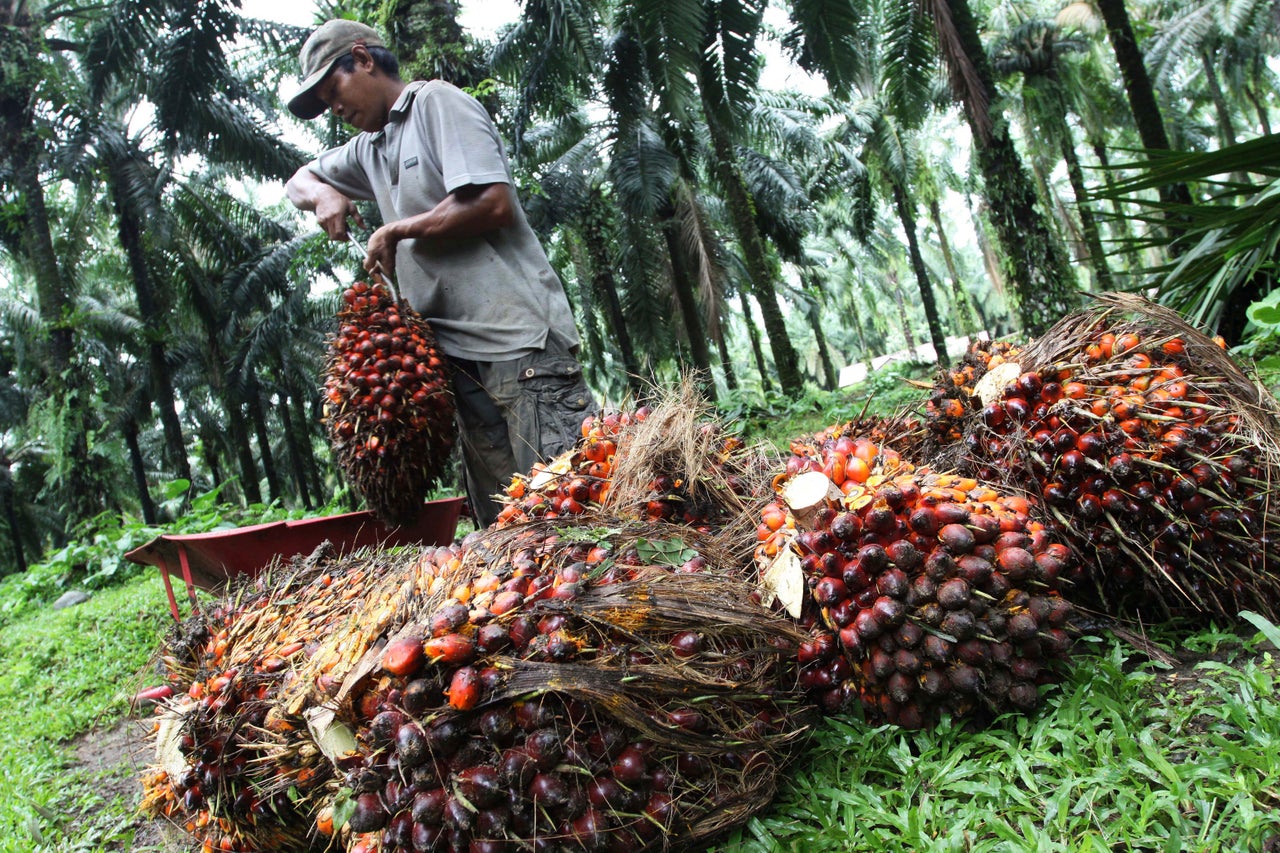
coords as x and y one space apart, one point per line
341 169
463 137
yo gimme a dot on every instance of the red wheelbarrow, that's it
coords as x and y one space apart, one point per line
209 560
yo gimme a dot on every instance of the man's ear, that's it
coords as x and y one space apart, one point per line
364 59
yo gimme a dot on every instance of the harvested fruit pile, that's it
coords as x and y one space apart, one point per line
525 686
674 464
610 683
233 770
925 593
1146 446
388 405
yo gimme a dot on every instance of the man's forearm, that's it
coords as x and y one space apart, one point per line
461 214
304 188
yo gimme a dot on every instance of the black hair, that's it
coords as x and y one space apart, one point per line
383 58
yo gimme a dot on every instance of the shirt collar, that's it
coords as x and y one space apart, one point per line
398 110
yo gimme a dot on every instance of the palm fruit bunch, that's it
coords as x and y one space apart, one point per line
1151 452
388 404
233 770
669 462
575 481
602 690
925 593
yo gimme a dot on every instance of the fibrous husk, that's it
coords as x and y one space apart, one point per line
619 682
1146 445
671 461
388 404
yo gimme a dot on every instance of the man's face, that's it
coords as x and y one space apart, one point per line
355 97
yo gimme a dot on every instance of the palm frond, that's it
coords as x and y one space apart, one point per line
821 40
781 204
642 170
119 40
732 64
910 60
701 243
671 34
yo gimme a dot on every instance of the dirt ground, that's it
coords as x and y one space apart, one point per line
115 757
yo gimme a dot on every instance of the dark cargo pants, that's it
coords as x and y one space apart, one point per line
512 414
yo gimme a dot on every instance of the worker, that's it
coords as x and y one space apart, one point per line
457 244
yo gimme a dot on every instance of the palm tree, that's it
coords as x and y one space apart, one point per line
1034 49
1221 43
1138 87
1035 259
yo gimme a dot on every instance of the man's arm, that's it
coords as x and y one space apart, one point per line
331 207
466 212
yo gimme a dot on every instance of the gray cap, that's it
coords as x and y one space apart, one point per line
329 43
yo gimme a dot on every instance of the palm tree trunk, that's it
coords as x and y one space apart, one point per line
726 363
291 443
753 334
1264 121
139 469
1088 225
906 215
162 392
682 282
11 516
738 201
605 287
253 401
900 302
960 301
1138 88
249 486
1226 127
209 441
831 380
304 429
1037 263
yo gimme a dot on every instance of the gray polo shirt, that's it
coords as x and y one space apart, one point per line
488 298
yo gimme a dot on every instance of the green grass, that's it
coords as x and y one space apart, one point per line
1121 758
63 674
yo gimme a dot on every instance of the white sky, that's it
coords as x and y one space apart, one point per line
485 17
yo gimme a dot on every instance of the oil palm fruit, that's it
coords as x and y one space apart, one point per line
924 593
388 404
555 691
674 465
1150 451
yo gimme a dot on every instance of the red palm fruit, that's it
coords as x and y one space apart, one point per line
957 538
450 649
464 689
403 657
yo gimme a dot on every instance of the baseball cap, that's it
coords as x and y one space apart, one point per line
330 42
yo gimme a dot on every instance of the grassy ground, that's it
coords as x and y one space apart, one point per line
1126 754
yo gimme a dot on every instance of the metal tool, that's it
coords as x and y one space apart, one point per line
377 269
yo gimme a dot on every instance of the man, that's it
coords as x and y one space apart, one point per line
456 242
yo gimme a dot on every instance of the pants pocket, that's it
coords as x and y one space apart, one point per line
554 402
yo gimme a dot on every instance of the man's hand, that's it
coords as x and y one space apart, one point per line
332 210
381 252
331 207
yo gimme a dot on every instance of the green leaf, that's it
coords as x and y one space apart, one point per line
1268 629
1265 312
344 806
665 552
